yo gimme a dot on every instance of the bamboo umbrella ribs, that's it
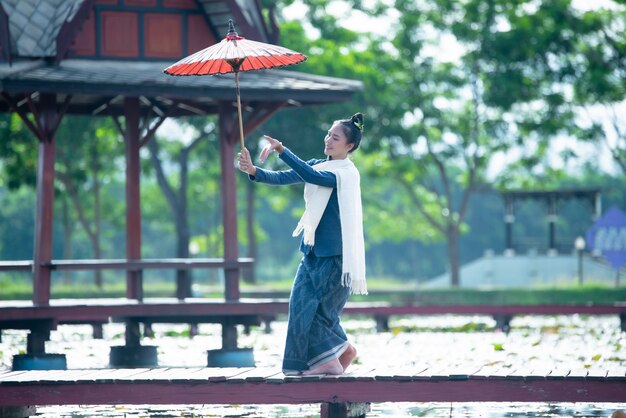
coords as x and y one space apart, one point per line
233 55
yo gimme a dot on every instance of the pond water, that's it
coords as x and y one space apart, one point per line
436 341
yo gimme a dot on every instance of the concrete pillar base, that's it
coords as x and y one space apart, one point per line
240 357
39 362
133 356
17 411
344 410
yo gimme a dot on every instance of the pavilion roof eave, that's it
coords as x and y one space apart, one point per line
214 93
97 80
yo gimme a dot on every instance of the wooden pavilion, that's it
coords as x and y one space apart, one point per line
106 58
550 201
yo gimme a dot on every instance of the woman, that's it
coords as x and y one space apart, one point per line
333 264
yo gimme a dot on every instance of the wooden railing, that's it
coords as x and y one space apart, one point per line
22 265
123 264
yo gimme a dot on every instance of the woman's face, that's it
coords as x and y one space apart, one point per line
336 144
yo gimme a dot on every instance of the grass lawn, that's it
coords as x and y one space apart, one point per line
386 290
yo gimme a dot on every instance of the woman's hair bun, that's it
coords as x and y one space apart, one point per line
357 120
353 129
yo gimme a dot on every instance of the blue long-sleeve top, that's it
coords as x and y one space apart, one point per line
328 232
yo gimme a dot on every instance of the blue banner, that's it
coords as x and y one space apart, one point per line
608 237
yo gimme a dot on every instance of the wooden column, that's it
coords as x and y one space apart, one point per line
229 216
597 206
334 410
46 121
134 286
229 200
509 218
344 409
552 218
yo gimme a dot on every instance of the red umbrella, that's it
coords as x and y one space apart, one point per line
232 55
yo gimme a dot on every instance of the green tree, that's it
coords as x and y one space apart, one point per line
558 69
87 150
18 152
337 52
175 187
400 99
442 133
600 85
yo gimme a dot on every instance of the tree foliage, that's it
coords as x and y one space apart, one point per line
461 97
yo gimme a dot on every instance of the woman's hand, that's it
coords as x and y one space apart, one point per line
244 162
273 144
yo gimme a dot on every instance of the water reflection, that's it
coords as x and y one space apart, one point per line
386 410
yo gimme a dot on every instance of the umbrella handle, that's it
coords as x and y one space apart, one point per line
239 109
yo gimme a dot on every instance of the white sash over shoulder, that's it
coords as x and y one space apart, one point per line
351 216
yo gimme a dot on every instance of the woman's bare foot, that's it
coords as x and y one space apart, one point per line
347 357
331 367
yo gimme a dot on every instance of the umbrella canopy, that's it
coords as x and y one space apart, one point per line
232 55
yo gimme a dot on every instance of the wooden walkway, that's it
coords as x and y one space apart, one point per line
26 315
87 310
270 386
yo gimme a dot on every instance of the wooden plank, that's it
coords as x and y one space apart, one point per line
162 263
361 373
577 373
464 372
352 309
501 373
97 374
596 373
30 376
397 373
201 375
559 373
276 379
423 374
264 373
217 374
353 373
370 375
72 375
120 375
10 374
616 373
452 373
152 375
242 374
132 376
169 374
311 378
441 373
517 373
538 373
157 392
183 374
486 371
293 378
90 310
415 372
16 265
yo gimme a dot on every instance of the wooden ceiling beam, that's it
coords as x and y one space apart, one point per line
13 105
5 35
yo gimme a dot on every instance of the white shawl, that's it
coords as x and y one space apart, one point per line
351 216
